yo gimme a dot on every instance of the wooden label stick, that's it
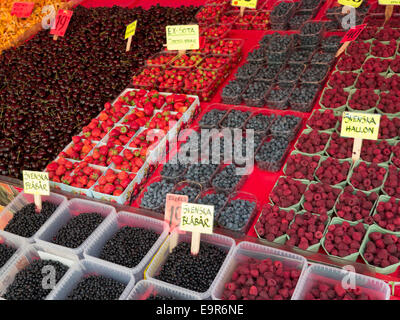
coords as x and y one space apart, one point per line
38 201
242 11
36 183
350 35
388 13
197 218
129 33
128 44
181 52
357 145
195 246
342 48
172 215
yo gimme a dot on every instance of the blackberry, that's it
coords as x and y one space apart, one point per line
268 73
26 221
246 71
27 284
195 273
78 229
128 246
97 288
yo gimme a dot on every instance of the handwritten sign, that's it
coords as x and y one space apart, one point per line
130 30
22 9
351 3
173 206
197 218
183 37
353 33
252 4
36 182
360 125
389 2
62 21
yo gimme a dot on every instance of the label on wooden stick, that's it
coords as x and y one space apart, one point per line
350 3
61 24
22 9
353 33
197 218
173 207
36 182
130 30
360 125
183 37
252 4
389 2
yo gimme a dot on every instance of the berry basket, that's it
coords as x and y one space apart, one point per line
113 225
289 134
294 170
71 209
233 187
147 288
195 186
225 243
271 165
169 56
323 158
90 268
338 221
25 257
14 242
246 250
307 132
377 189
245 226
316 273
21 201
295 206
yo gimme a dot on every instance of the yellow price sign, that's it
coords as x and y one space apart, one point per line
252 4
197 218
130 30
351 3
389 2
360 125
36 182
183 37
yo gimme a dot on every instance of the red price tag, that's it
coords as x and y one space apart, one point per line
22 9
173 206
62 21
353 33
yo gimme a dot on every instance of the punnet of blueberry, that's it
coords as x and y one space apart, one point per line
6 252
154 197
236 214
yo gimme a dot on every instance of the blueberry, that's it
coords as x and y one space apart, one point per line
290 73
235 119
260 122
201 173
191 272
173 170
285 126
128 246
300 55
227 179
212 118
247 71
236 214
217 200
282 11
323 57
311 28
304 94
315 73
257 56
278 97
192 191
268 73
93 287
231 94
272 153
27 284
297 21
154 197
254 95
159 297
78 229
331 43
309 4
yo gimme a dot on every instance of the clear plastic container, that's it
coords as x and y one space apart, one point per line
14 242
85 268
25 256
199 55
21 201
145 288
108 230
171 56
225 243
70 210
246 250
227 26
316 272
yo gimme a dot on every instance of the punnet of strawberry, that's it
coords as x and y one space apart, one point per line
102 155
137 118
96 129
60 168
79 149
121 135
130 160
114 183
178 102
84 176
164 120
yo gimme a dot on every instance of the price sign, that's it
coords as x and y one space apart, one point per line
36 182
252 4
353 33
22 9
183 37
389 2
198 219
360 125
351 3
62 21
173 206
130 30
